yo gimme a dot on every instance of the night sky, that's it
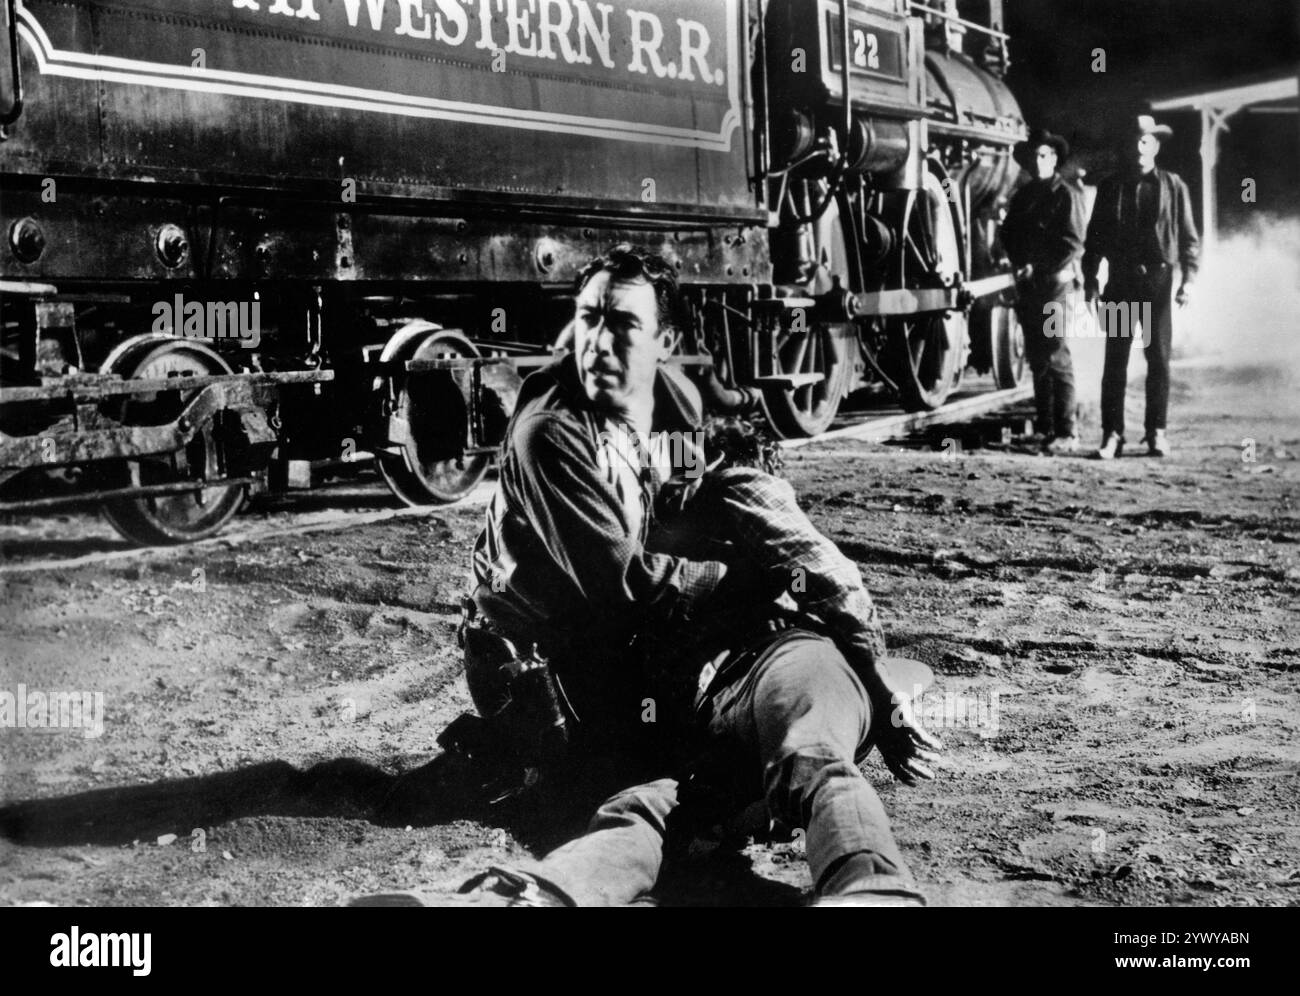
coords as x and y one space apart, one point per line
1155 48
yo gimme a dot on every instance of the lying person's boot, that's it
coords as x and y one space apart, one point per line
1111 447
1061 445
1157 443
494 887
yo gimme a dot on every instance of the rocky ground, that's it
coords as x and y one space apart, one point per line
1115 648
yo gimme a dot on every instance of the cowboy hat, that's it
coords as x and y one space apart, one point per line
1146 125
1025 152
905 676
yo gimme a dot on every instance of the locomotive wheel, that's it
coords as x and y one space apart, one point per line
804 347
432 469
928 351
1007 347
808 409
186 516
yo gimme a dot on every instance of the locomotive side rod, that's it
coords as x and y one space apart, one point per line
910 302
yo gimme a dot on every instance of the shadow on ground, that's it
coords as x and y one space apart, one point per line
446 789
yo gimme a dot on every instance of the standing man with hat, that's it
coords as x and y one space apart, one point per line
1142 224
1043 236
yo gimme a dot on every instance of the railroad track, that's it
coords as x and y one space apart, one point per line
888 423
974 418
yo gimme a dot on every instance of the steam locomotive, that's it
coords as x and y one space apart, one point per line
251 242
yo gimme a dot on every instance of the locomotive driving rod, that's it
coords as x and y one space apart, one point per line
911 302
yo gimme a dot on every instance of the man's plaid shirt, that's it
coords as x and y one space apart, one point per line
753 520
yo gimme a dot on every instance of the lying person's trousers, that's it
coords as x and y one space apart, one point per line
791 727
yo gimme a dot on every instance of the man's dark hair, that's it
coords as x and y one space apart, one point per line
630 263
742 442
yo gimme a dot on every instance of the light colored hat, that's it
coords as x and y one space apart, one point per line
1146 125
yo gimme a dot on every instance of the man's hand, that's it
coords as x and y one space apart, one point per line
903 742
1184 296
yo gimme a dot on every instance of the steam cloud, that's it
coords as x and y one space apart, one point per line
1242 327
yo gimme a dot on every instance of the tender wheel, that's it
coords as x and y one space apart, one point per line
927 352
185 516
429 423
1007 347
814 355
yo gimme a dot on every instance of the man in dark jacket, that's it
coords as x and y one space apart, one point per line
563 577
1043 237
1142 224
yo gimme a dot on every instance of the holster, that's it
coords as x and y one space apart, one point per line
516 693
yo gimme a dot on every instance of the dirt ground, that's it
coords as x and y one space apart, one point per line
1115 648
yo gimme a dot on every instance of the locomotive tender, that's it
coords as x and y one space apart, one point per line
249 239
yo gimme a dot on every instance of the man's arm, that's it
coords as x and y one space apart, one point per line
1011 230
823 581
578 518
1189 241
1066 232
1100 231
777 533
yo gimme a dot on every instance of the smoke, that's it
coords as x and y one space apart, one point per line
1243 327
1246 308
1240 335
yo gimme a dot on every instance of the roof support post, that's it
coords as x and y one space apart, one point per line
1213 121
